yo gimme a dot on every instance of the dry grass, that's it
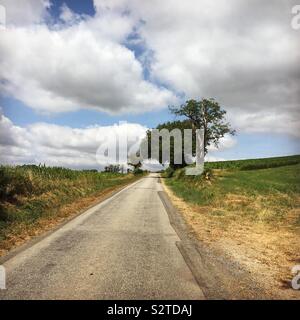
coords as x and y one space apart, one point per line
267 250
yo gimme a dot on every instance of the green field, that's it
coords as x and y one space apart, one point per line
29 193
253 164
270 195
248 210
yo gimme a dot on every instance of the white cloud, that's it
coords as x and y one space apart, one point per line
281 121
68 16
25 12
245 55
60 145
227 142
79 64
152 165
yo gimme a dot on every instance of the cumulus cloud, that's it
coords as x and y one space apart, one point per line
243 54
227 142
22 13
276 121
61 145
80 63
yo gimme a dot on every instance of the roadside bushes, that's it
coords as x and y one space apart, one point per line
180 174
14 182
168 172
137 171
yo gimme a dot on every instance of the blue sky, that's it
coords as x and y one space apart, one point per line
78 6
170 78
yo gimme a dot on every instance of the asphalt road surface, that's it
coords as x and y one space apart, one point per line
123 248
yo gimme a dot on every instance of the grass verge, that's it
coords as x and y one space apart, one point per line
253 216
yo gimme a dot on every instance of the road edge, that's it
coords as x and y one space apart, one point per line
219 276
186 245
31 242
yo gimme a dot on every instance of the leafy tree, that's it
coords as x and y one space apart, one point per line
170 125
207 115
135 165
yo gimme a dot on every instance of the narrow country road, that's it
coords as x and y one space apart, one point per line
123 248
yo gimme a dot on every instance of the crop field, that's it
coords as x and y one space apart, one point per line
253 164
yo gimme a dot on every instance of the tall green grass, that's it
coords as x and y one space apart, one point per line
31 180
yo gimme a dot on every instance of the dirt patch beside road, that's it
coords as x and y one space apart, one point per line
265 254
